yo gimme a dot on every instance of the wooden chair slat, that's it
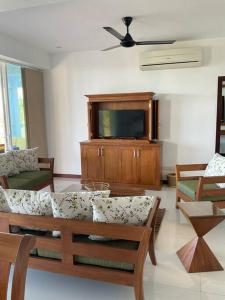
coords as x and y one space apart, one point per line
49 243
84 271
103 252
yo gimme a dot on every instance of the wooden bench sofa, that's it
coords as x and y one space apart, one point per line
119 261
32 180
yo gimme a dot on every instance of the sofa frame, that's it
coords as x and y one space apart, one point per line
68 248
45 164
201 192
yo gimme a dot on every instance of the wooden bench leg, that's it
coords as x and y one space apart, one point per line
177 201
138 289
52 187
152 249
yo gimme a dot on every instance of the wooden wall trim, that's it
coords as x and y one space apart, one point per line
67 175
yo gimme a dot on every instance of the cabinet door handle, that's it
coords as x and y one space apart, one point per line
134 153
98 151
138 153
102 151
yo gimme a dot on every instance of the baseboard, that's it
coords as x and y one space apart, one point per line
67 175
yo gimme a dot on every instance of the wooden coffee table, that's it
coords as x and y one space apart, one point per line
196 256
115 190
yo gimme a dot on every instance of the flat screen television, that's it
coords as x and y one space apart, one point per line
121 123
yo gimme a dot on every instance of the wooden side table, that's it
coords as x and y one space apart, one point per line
196 256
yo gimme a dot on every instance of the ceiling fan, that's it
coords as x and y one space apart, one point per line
127 40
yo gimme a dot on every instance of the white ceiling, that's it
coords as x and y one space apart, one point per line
77 25
6 5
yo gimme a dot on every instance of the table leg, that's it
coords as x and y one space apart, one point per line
196 256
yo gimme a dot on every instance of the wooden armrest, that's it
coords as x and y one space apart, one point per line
189 168
210 192
153 213
4 182
212 179
45 160
49 161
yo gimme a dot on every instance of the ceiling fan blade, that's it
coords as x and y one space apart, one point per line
155 42
114 32
110 48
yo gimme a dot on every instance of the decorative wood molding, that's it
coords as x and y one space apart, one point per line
120 97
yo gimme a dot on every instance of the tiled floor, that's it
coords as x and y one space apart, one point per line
168 280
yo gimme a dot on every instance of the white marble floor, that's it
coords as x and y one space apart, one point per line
168 280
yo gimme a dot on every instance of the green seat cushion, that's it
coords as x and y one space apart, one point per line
189 188
27 180
19 183
96 261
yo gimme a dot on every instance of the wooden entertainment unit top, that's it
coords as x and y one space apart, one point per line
126 163
125 101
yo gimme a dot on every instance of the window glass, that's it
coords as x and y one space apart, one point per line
2 120
16 107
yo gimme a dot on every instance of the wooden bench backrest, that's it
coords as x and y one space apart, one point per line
68 248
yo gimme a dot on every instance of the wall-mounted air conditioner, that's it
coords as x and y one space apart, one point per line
171 59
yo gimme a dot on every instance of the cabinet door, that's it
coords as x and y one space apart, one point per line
111 163
128 165
91 163
148 165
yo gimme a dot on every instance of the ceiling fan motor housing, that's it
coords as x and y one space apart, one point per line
127 41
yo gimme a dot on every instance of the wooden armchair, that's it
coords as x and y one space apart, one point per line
199 188
14 249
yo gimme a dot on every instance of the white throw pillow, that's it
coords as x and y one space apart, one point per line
7 164
121 210
4 207
74 205
26 160
216 167
29 202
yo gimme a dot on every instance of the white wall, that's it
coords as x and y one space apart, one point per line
17 51
187 96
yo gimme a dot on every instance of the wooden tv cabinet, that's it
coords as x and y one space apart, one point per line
124 163
121 162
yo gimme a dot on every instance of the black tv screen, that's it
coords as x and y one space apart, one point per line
121 123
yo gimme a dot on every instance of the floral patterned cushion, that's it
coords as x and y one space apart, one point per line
3 202
26 160
121 210
75 205
216 167
29 202
7 165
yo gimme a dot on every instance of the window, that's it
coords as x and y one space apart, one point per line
12 109
16 107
